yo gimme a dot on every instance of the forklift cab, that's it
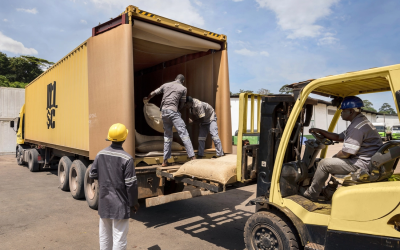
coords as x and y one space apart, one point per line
364 212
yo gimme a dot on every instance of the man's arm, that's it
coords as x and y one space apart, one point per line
154 93
342 155
93 174
326 134
131 183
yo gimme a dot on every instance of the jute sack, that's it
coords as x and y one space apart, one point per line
152 115
218 170
151 146
139 138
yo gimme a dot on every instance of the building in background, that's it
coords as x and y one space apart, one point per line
11 101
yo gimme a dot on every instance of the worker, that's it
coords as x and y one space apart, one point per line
361 141
173 100
118 191
204 114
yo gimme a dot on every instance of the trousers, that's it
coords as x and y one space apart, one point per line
113 234
326 167
173 119
211 127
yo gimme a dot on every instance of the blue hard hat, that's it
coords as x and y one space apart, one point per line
351 102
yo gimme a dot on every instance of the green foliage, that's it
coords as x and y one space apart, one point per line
285 90
368 106
245 91
387 109
263 91
17 72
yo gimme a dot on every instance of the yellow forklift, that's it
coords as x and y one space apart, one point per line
364 212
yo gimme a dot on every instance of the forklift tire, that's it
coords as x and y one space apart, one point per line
267 230
63 172
91 190
33 164
77 179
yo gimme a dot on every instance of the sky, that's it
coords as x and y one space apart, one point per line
270 42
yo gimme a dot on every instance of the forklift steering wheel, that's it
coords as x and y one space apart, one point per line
322 139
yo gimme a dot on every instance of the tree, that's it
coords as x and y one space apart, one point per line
17 72
368 106
245 91
387 109
263 91
285 90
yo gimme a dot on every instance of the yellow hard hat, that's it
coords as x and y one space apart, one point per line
117 132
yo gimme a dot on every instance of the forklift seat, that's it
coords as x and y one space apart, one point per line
381 167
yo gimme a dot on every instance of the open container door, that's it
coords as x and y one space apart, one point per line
160 54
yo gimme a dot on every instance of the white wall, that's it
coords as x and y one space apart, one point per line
11 101
235 114
389 120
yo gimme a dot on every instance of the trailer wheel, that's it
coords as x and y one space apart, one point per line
33 164
63 172
91 190
77 179
20 160
267 230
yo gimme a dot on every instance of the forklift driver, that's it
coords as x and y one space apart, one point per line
361 141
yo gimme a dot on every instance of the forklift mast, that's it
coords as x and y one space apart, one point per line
275 112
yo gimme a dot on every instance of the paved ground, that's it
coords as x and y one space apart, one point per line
36 214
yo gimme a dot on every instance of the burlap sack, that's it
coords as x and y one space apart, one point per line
221 170
152 115
139 138
151 146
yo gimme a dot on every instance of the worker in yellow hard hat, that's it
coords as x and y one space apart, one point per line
114 169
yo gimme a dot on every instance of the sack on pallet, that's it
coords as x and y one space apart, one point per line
151 146
152 115
217 170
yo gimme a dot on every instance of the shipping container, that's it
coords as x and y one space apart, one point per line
11 101
70 107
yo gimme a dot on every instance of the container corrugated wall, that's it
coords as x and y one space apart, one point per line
57 110
11 101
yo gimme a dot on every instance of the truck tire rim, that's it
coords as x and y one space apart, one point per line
62 174
91 188
265 237
73 179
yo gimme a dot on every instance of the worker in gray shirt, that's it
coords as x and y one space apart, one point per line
173 100
204 114
361 141
118 192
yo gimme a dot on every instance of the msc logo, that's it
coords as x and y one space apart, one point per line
51 105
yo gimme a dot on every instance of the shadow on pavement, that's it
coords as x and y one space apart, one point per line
213 218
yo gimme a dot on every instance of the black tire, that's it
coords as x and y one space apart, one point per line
91 190
77 179
64 167
33 164
268 230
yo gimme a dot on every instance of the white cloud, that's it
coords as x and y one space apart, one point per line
182 10
32 11
245 52
328 39
264 53
237 0
5 20
83 21
239 31
299 17
10 45
198 3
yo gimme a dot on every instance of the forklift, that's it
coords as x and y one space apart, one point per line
364 212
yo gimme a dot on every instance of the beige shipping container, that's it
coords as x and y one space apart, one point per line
71 106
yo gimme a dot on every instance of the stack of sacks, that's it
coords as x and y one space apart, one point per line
152 114
146 144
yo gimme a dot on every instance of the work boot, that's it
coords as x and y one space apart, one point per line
304 192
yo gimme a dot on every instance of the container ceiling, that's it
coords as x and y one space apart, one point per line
153 45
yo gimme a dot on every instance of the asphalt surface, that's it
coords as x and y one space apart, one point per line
36 214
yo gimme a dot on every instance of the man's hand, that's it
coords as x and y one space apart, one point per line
314 130
342 155
190 121
145 100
